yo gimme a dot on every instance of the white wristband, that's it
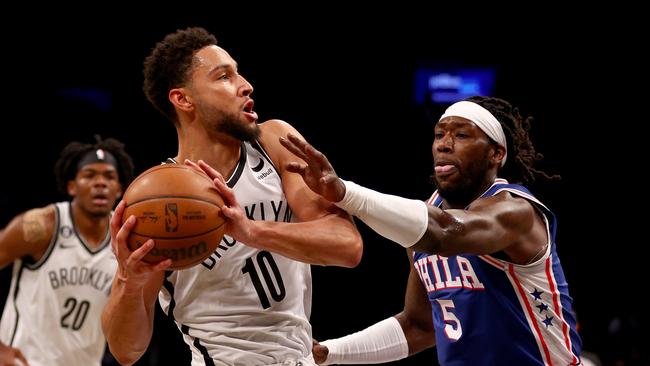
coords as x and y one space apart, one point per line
399 219
381 342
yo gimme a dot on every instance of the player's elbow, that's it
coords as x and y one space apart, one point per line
4 261
354 252
125 353
126 358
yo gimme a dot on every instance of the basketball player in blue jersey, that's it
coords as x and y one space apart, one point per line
63 265
249 302
486 285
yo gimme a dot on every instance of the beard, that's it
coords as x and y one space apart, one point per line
461 193
230 126
228 123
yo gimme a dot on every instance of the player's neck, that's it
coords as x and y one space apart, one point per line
92 228
461 199
222 153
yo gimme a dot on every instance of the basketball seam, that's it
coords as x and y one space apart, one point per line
170 196
165 166
178 237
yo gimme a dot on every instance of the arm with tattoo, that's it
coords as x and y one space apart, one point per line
28 234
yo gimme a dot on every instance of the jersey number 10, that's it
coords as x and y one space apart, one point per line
265 262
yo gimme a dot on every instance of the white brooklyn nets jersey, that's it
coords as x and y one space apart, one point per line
244 306
54 306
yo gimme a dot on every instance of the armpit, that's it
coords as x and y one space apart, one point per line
35 225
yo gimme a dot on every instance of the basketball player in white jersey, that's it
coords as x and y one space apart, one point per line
248 303
63 263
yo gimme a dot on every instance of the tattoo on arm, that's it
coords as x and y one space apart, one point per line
34 225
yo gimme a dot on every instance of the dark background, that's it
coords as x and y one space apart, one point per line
345 81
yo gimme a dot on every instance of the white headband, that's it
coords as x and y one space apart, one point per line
482 118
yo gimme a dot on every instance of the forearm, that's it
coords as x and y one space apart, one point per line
399 219
330 240
127 322
419 335
382 342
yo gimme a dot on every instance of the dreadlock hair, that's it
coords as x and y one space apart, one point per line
520 147
169 65
65 168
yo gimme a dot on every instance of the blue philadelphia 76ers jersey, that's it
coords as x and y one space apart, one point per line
487 311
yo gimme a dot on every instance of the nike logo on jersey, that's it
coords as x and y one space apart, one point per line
66 246
259 166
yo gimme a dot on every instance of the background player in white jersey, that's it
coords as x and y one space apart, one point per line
63 263
249 303
486 285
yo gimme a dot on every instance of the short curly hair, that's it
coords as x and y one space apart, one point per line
65 168
169 64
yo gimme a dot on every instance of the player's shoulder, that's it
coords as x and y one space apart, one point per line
504 199
45 213
35 225
272 130
507 207
276 127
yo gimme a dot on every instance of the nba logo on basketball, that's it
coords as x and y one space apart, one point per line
180 209
171 217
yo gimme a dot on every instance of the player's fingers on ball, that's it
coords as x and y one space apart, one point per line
141 252
162 265
226 192
210 171
116 220
21 357
193 165
228 212
125 230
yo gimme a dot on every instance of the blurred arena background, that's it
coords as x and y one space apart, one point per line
352 84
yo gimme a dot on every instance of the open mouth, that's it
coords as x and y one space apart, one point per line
444 167
100 200
248 110
248 107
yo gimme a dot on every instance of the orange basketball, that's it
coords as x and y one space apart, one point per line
180 209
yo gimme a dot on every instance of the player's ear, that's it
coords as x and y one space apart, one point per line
499 153
181 99
119 192
72 188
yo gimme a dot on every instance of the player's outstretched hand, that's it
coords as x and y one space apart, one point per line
318 173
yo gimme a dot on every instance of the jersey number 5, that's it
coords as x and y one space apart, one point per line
453 330
265 262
